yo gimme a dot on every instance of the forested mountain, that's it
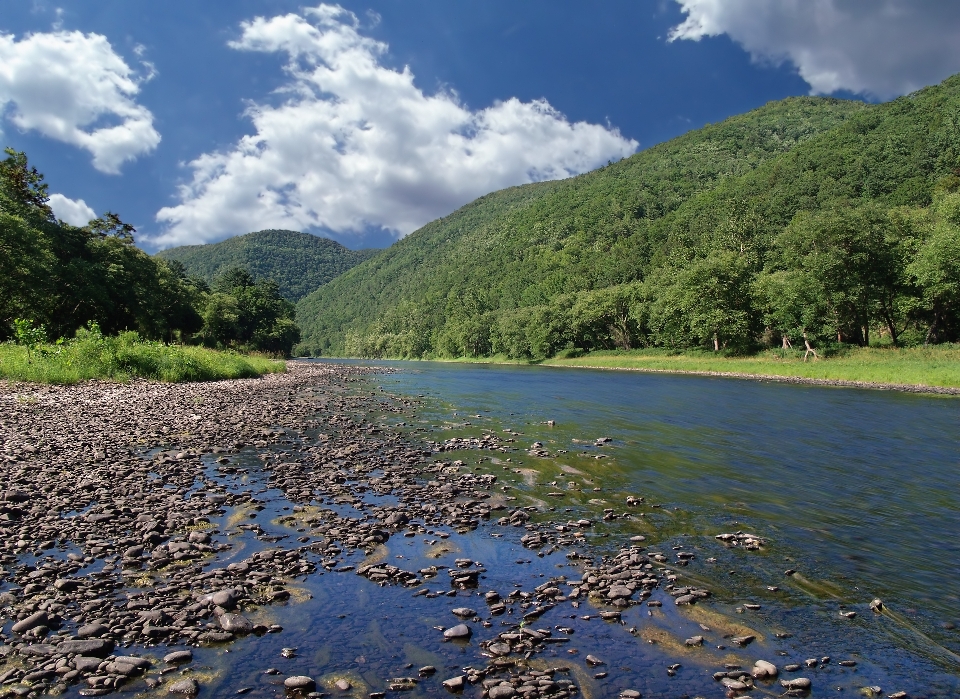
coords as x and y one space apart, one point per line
808 218
298 262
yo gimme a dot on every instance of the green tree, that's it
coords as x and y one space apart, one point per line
707 302
936 269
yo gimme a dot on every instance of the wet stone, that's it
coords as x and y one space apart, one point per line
178 657
184 688
236 624
300 683
457 632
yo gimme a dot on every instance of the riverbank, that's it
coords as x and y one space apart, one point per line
171 537
126 357
934 369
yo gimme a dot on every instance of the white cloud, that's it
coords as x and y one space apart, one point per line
74 88
880 48
355 145
73 211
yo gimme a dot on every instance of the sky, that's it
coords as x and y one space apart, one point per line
362 121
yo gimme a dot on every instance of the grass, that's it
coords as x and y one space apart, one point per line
937 366
124 357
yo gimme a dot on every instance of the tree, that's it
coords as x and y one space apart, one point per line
247 313
707 301
793 304
854 254
936 268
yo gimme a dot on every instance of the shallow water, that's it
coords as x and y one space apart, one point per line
857 490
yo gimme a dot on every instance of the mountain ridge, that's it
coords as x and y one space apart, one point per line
298 262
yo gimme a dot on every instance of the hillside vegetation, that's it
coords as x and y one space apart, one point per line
807 220
297 262
57 279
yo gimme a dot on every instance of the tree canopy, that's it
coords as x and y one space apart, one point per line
62 278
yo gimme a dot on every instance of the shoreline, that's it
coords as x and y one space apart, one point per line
779 378
922 389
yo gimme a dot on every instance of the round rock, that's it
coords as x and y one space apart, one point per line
300 683
458 631
619 592
178 657
184 688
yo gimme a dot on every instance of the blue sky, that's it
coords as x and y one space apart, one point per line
364 120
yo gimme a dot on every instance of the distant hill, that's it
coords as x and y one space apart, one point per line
809 217
298 262
523 246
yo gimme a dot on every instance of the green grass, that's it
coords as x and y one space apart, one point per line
125 357
917 366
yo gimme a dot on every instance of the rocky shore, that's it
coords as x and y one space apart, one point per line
116 570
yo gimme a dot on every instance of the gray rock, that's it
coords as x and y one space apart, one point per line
97 647
85 663
797 683
31 622
619 592
91 630
236 623
225 598
764 670
594 660
125 669
501 691
343 685
300 683
458 631
185 688
464 612
454 684
178 657
396 519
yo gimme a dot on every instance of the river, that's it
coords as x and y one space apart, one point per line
858 490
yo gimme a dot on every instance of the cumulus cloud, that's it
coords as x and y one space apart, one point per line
879 48
74 88
352 145
73 211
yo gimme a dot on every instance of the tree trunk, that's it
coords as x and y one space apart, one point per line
786 342
716 343
810 349
931 329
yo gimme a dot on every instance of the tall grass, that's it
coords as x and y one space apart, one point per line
937 365
123 357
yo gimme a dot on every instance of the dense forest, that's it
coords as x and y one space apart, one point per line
297 262
56 279
806 223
